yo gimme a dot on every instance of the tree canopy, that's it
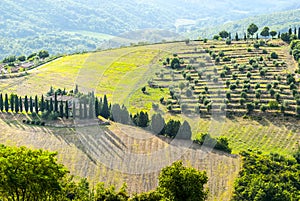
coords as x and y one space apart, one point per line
252 29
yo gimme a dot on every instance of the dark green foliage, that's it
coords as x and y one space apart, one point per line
97 108
12 102
236 36
220 143
157 124
105 110
273 33
267 177
172 127
1 102
61 109
43 54
67 110
55 103
265 32
30 104
250 107
26 105
17 106
224 34
273 55
21 104
175 63
285 37
143 89
252 29
42 104
36 104
178 183
141 119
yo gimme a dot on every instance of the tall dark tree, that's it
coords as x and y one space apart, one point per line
21 104
295 30
1 102
290 31
236 36
12 102
6 106
61 109
105 110
47 105
36 104
299 33
67 110
245 37
252 29
279 35
51 105
97 111
55 103
42 105
17 107
172 127
26 106
30 104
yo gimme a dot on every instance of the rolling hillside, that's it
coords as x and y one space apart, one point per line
101 153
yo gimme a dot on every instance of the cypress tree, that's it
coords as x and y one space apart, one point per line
12 102
61 109
299 33
236 36
290 31
6 103
51 105
55 103
97 113
85 112
245 37
21 104
100 106
74 109
42 105
1 102
105 109
36 104
31 104
279 35
67 110
295 31
26 104
17 107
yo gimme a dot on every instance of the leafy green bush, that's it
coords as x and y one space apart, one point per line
220 143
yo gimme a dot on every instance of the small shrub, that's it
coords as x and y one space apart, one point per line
273 55
232 87
249 50
263 108
264 51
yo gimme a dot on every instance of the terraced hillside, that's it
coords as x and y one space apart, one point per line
236 78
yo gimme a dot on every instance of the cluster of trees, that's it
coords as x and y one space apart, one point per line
174 63
221 143
268 177
290 35
86 106
27 174
42 54
265 32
